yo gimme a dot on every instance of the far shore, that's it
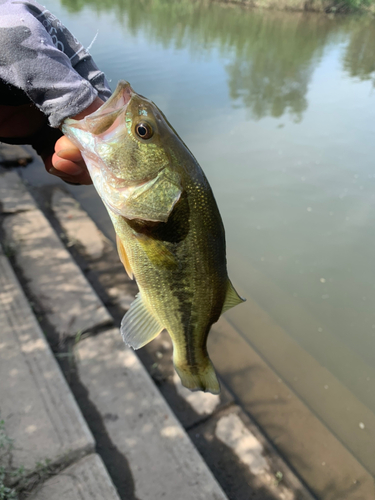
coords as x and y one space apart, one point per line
326 6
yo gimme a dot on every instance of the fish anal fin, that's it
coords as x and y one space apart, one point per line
232 298
124 258
139 326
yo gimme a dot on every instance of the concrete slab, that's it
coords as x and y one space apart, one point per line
163 461
247 465
104 265
54 279
77 225
36 404
87 479
232 431
14 155
14 196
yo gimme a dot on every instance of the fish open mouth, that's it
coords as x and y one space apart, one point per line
105 119
118 99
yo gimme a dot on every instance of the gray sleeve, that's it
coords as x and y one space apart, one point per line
41 57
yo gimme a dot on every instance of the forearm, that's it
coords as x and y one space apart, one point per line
43 59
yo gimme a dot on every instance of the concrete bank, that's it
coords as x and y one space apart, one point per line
242 460
310 446
145 449
42 431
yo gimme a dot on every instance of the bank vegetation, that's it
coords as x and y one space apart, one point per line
328 6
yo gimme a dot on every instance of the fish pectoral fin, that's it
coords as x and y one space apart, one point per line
154 201
124 258
157 252
139 326
232 298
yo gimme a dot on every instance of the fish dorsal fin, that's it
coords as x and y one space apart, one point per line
154 201
124 258
232 298
139 326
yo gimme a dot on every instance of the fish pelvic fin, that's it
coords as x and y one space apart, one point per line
201 378
231 298
139 326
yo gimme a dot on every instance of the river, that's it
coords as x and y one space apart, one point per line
279 109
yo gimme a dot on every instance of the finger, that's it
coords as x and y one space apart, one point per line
67 161
72 154
77 180
67 166
83 179
64 143
65 146
50 169
69 171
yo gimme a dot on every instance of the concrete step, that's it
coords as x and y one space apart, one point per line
78 228
142 431
163 461
12 155
14 196
53 278
39 412
98 252
85 480
289 422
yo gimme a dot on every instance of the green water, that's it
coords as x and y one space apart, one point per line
279 110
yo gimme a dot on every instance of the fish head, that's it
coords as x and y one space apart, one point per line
126 143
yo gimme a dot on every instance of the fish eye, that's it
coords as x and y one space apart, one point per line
144 130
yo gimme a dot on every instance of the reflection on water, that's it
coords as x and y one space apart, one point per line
272 55
359 58
273 66
279 109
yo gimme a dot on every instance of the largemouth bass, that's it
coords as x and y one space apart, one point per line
170 236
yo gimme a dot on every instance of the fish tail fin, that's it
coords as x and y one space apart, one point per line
198 378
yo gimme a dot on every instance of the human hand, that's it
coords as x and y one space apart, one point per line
67 162
27 124
46 75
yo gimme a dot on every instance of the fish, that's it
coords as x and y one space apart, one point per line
169 232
